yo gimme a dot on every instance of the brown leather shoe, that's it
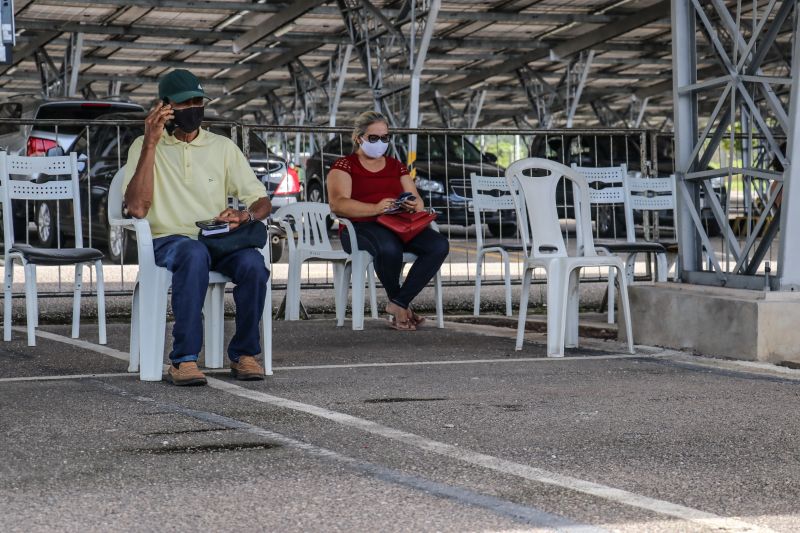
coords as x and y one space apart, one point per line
187 373
247 369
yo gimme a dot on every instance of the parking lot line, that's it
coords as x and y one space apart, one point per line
520 513
64 377
496 464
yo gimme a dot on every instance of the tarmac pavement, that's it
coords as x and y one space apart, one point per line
380 430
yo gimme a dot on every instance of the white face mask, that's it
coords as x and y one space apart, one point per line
374 150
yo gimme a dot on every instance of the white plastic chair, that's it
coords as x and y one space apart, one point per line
149 309
30 256
360 266
484 200
617 190
545 248
307 239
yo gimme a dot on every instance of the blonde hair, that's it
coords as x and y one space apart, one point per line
364 121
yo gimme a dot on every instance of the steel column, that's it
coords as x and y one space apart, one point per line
789 250
416 73
684 71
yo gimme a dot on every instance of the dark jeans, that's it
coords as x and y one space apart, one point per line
431 248
189 262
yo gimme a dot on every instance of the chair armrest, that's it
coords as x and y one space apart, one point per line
351 232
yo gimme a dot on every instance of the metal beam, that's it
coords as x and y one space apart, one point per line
286 16
565 49
29 48
257 69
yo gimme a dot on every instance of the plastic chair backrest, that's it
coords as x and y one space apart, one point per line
651 194
310 221
15 189
489 193
541 209
115 196
612 190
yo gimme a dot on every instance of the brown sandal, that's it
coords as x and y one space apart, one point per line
400 326
416 319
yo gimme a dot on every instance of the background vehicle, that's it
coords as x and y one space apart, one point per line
613 150
37 140
106 150
444 164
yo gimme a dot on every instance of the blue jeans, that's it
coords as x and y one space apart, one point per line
386 249
189 262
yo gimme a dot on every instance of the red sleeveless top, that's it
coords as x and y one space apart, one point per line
372 187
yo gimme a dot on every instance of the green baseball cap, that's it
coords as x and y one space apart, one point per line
180 85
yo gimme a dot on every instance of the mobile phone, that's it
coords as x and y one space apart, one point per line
168 125
405 197
211 223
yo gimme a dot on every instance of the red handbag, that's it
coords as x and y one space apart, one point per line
407 225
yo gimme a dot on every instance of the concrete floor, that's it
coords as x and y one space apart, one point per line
436 430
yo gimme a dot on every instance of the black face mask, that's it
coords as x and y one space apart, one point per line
189 119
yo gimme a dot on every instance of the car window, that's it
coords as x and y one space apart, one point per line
80 112
10 110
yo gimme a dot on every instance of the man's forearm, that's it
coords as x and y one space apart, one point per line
139 194
261 208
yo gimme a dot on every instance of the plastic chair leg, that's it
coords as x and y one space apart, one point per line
214 325
556 310
135 341
30 303
346 273
507 281
35 300
266 324
437 290
662 268
626 312
101 302
476 305
357 274
76 301
339 292
523 307
373 293
152 323
8 268
571 338
612 290
293 291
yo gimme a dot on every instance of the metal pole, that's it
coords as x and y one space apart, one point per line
789 250
579 89
419 62
339 87
75 63
684 72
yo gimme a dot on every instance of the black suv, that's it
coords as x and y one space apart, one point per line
444 164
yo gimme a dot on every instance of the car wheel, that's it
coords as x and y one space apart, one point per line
121 247
46 225
506 230
314 194
610 224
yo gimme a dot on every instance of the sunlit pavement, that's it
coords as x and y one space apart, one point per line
380 430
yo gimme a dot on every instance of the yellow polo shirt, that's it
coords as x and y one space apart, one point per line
192 181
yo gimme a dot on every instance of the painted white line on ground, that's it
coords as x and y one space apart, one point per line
105 350
65 377
495 463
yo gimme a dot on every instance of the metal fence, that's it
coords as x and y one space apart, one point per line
445 161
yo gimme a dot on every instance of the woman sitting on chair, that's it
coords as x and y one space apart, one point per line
366 184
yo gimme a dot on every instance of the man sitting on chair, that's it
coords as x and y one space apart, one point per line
174 179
